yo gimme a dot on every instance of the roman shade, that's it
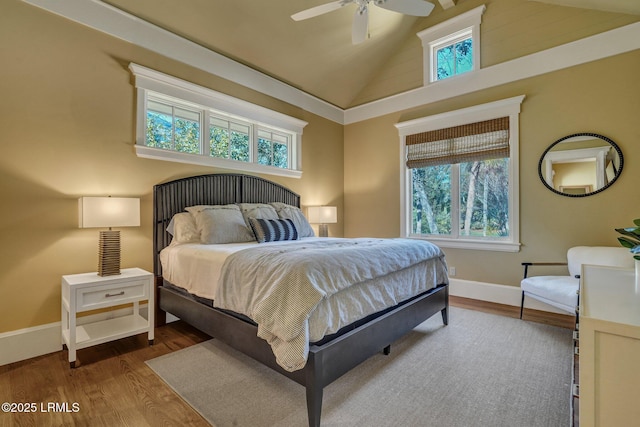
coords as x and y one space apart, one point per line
483 140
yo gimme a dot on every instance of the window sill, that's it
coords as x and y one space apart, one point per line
483 245
196 159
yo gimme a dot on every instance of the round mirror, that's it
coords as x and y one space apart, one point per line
580 165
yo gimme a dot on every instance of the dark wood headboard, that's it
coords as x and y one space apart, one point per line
172 197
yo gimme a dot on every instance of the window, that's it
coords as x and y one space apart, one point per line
460 177
273 148
452 47
453 55
171 127
230 139
181 122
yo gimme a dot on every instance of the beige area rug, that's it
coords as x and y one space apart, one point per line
480 370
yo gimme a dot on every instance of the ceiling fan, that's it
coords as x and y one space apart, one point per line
360 27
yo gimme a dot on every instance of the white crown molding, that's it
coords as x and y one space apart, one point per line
110 20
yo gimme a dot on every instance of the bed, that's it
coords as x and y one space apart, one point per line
326 359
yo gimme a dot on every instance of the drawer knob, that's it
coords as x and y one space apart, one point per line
114 295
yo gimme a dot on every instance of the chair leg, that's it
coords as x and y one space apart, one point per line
521 304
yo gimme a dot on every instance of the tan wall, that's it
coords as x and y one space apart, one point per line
575 174
600 97
67 126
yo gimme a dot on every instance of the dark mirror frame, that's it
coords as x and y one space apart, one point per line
594 135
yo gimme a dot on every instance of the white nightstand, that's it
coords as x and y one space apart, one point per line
88 291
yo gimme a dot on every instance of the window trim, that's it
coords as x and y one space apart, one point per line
161 85
438 34
507 107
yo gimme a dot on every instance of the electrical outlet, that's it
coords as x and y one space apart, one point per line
452 271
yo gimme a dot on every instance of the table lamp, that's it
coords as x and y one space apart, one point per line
107 212
323 215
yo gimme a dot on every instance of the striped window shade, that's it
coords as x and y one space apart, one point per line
484 140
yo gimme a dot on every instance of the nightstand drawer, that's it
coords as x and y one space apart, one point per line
110 295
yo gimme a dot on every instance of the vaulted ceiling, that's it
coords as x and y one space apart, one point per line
315 55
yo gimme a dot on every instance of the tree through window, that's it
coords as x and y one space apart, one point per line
454 58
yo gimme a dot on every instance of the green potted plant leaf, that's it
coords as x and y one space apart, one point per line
631 238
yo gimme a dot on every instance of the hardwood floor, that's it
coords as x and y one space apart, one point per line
554 319
112 385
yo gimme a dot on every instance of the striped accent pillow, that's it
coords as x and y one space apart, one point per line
273 230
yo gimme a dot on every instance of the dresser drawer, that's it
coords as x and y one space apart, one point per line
110 295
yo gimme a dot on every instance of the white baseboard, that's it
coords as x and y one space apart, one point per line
32 342
44 339
500 294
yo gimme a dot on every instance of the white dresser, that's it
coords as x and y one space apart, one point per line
609 326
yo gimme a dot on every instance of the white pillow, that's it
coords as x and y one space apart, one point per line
294 214
221 224
183 228
257 210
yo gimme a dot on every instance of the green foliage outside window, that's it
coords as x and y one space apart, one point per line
187 136
432 200
483 199
219 142
456 58
272 153
239 146
229 144
177 128
280 155
161 129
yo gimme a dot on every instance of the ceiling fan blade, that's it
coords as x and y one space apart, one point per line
319 10
360 28
408 7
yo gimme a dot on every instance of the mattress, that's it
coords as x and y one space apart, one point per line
195 267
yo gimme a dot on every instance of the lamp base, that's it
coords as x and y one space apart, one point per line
109 253
323 230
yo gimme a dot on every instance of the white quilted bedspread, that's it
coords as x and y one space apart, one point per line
279 286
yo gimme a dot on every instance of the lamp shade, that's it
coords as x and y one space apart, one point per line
108 212
322 214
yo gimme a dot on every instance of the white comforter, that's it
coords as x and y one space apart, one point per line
299 291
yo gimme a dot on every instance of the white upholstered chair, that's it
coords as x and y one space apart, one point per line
562 291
